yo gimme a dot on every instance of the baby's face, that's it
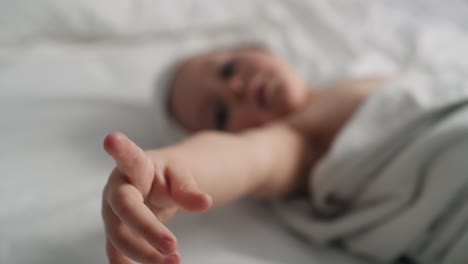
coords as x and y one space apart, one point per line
234 89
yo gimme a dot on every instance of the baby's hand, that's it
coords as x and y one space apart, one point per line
140 195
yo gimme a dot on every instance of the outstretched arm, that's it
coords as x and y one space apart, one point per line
266 162
147 188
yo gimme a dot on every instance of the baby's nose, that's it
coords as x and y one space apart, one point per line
236 87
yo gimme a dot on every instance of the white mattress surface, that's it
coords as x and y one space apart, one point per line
72 71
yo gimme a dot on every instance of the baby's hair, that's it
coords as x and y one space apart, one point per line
170 83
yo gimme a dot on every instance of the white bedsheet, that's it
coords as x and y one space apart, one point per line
72 71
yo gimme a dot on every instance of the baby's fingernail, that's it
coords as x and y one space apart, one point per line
166 246
172 259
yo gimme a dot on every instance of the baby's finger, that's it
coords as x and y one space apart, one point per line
159 197
129 243
184 190
131 160
163 214
128 204
114 255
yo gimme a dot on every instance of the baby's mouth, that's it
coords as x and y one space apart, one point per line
262 89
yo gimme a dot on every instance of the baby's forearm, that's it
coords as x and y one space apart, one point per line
266 162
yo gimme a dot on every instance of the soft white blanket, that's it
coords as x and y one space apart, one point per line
395 185
73 70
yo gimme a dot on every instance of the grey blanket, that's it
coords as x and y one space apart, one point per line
394 186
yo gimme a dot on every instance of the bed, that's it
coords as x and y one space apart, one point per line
73 71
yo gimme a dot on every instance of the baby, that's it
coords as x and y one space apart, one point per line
259 129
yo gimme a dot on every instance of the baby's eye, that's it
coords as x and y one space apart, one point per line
227 70
221 116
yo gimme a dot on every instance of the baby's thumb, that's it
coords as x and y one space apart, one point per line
185 191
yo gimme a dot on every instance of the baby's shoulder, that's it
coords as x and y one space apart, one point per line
354 89
326 114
